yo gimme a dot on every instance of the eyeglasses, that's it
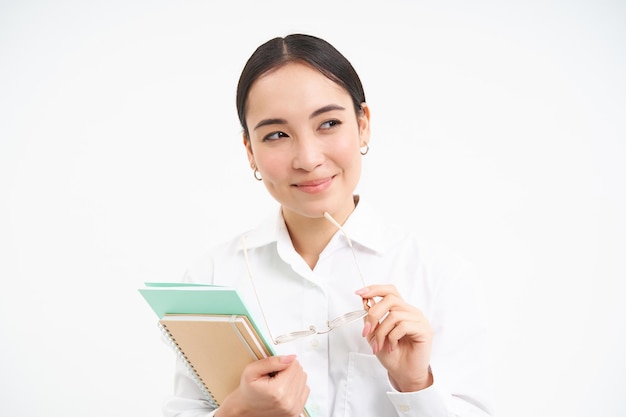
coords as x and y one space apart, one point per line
331 324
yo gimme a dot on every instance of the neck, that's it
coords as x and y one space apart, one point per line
311 235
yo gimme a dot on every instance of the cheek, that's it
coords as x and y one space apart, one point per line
348 154
355 166
271 164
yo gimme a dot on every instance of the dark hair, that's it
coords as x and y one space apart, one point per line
307 49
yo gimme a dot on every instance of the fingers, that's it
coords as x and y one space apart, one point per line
391 319
277 385
368 294
390 300
268 366
377 291
291 389
411 326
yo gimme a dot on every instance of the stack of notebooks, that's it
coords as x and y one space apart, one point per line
211 329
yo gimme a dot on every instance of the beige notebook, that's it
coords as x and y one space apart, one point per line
216 348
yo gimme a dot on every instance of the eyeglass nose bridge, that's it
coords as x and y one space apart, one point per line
330 325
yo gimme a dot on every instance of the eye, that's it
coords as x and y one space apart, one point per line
274 136
330 124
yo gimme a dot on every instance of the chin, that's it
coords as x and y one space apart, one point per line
310 210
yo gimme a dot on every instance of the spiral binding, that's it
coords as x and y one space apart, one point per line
188 365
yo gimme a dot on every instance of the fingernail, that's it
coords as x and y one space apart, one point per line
366 329
375 347
361 291
287 358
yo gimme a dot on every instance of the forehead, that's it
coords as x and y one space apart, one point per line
294 86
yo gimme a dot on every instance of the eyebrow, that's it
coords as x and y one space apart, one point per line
326 109
266 122
277 121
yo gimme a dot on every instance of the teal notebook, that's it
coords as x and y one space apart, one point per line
169 298
185 298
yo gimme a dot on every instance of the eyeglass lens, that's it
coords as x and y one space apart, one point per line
331 325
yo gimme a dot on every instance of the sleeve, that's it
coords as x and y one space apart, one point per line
436 401
188 399
461 359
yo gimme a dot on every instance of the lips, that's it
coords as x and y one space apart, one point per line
315 186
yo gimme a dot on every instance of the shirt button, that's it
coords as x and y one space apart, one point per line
404 408
315 344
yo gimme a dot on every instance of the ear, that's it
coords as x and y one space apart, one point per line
364 125
248 146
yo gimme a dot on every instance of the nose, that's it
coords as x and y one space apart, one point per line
308 153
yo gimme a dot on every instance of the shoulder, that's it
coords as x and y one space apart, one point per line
227 257
202 268
419 260
383 235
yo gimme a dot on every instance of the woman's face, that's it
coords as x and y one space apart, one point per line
305 140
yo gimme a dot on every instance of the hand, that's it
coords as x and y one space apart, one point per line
271 387
400 336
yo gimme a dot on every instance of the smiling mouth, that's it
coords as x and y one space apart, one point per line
316 185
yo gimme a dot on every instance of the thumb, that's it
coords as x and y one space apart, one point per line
271 366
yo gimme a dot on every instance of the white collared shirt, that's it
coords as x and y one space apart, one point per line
345 378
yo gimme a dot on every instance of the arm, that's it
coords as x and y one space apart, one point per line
259 394
438 365
188 400
269 387
400 336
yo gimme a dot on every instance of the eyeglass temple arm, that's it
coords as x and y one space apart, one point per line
256 294
367 302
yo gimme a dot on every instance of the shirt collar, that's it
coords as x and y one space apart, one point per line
364 227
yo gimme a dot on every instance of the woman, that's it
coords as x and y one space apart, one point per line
420 348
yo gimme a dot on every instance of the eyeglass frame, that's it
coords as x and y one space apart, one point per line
337 322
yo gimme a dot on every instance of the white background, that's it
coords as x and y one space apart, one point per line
498 130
